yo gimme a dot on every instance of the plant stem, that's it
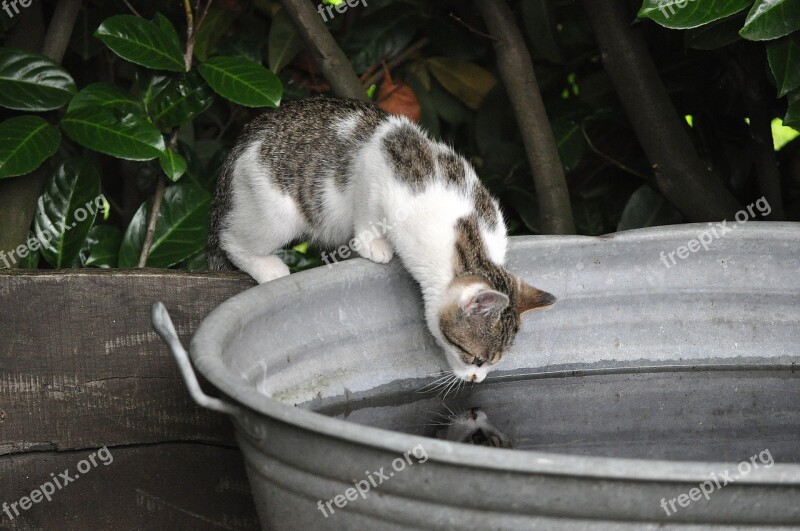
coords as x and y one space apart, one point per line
158 198
60 29
396 61
161 185
516 70
757 94
681 175
331 59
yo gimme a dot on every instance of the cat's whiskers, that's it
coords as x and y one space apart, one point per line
441 385
444 376
454 384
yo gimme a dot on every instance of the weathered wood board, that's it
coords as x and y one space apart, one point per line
81 368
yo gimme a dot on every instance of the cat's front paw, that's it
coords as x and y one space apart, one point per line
378 250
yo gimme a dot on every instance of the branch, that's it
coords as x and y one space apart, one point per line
608 158
681 175
161 185
757 96
516 70
132 9
158 198
331 59
396 61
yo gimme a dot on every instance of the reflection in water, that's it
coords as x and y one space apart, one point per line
705 415
472 426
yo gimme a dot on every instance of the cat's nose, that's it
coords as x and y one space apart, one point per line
478 362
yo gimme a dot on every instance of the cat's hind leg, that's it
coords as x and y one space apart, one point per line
261 268
262 221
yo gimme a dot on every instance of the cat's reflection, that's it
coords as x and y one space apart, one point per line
473 427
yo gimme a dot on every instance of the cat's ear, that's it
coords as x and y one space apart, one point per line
485 302
530 298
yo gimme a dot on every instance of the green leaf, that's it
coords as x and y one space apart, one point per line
686 14
429 119
181 228
66 211
125 136
198 262
25 143
527 206
466 81
143 42
32 82
173 164
771 19
180 100
380 34
284 42
447 106
215 26
716 34
784 61
34 255
782 135
243 82
570 141
792 118
104 95
647 208
248 41
297 261
101 248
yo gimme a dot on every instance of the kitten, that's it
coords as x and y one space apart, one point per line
342 171
473 427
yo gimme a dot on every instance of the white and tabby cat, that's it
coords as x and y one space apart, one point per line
328 170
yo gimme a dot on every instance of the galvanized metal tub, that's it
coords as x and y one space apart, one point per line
650 381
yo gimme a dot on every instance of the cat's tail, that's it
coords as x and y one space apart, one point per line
220 205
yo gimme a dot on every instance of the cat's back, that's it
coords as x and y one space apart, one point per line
315 126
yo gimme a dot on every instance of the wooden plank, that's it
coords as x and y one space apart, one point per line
167 486
81 367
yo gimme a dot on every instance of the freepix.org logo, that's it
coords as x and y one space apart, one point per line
9 5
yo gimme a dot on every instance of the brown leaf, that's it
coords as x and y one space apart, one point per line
398 98
466 81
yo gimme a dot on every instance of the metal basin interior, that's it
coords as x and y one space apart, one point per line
634 362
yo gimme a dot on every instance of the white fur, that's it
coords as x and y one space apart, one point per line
419 226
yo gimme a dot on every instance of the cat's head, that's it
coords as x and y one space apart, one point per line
480 319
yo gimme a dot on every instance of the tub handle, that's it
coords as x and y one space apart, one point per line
163 325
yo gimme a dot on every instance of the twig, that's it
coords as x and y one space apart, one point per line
158 197
332 61
372 76
187 57
133 9
612 160
757 96
223 128
681 175
516 70
470 28
204 15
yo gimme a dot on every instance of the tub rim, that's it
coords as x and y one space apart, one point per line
205 353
